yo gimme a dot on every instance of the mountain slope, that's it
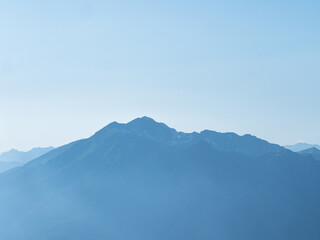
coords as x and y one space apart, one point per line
15 158
4 166
143 180
301 146
314 152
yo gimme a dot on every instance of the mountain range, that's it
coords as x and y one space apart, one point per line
145 180
15 158
301 146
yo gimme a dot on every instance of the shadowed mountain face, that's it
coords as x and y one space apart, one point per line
15 158
144 180
314 152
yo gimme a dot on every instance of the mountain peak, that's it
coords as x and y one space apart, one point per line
145 122
146 127
144 118
311 150
142 121
300 146
143 127
314 149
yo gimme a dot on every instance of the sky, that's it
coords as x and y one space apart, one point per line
68 68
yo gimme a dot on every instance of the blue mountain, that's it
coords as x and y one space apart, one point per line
301 146
15 158
144 180
314 152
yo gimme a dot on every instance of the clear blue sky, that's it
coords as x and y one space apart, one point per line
67 68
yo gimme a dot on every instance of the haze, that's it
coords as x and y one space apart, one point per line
68 68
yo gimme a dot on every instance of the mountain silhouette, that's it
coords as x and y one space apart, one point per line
314 152
144 180
15 158
230 142
301 146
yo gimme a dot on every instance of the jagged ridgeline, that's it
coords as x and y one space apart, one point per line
144 180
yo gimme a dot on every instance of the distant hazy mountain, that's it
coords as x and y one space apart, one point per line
314 152
301 146
4 166
15 158
146 181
